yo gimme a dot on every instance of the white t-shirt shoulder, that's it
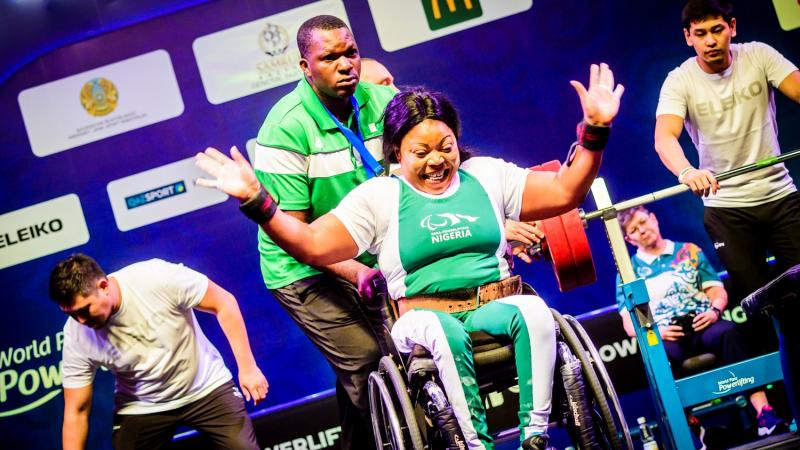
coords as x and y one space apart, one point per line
775 66
502 179
153 345
366 210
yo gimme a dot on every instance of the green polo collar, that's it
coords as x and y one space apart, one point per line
313 105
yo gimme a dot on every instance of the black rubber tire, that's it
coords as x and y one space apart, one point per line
410 427
385 421
610 432
605 380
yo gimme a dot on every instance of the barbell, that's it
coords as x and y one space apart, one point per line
566 245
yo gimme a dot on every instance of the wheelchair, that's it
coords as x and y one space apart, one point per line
410 410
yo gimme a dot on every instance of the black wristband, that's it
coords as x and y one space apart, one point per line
260 207
592 137
718 311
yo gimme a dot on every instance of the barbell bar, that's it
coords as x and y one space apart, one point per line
681 188
566 245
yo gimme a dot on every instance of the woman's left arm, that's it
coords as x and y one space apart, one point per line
549 194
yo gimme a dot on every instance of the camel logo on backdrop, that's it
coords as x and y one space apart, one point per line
448 226
257 55
154 195
30 375
442 14
273 39
280 64
99 97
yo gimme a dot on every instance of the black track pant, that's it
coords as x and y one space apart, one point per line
220 415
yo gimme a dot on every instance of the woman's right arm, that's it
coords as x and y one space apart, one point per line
322 242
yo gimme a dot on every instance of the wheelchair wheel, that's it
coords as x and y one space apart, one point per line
411 429
393 417
605 380
385 423
606 431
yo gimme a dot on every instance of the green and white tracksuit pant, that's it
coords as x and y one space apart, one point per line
525 319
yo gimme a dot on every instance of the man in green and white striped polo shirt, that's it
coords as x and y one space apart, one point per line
310 164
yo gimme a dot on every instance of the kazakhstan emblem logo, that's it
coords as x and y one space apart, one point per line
273 39
99 97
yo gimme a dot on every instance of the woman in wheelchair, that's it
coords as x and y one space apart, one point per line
437 229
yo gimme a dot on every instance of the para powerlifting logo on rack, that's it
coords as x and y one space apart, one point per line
154 195
732 382
30 374
448 226
99 97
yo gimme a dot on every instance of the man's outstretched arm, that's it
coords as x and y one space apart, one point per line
223 304
668 130
790 86
75 429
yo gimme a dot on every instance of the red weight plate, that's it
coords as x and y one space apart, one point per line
579 246
566 245
555 247
560 253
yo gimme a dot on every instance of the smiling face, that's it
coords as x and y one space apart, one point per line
332 64
95 308
711 40
429 156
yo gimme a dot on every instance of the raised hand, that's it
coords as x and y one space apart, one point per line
600 102
233 176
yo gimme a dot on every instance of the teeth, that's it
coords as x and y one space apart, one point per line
436 176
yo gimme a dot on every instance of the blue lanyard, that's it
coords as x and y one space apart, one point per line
371 166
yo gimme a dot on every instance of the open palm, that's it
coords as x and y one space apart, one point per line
600 102
233 176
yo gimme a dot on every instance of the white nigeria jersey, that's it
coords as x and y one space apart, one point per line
435 243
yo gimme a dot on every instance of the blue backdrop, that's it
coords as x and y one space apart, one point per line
509 79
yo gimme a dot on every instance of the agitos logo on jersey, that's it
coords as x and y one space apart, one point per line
448 226
154 195
442 14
